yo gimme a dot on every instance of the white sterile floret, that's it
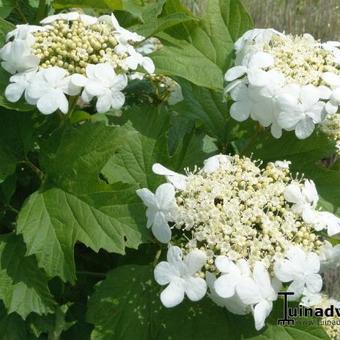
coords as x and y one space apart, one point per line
283 164
254 64
125 37
333 80
136 59
18 85
49 88
310 299
213 163
301 111
258 292
232 304
304 198
178 180
325 220
160 210
101 81
17 57
232 274
301 269
283 81
180 276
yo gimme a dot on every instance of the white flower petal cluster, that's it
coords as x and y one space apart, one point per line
283 81
256 227
179 275
160 209
73 54
305 199
302 270
258 292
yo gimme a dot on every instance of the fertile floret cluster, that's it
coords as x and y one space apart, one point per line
331 127
241 230
74 54
284 81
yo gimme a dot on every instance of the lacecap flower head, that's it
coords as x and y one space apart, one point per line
283 81
73 54
246 229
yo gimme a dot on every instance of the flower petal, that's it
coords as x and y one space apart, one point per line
235 72
304 128
261 312
225 265
48 103
314 283
117 100
248 291
104 103
195 260
14 92
293 193
240 111
195 288
147 197
164 272
161 229
173 295
261 60
165 196
225 285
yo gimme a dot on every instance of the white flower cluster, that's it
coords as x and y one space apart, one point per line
241 231
284 81
71 55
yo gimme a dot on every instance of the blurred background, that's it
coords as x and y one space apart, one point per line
321 18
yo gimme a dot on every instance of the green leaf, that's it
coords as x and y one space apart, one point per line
95 4
12 327
52 325
16 139
5 27
236 18
23 287
153 20
74 204
126 306
176 59
148 144
6 7
206 106
208 42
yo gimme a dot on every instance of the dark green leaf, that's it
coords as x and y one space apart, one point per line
206 106
207 42
76 205
6 7
181 58
16 139
23 287
148 144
